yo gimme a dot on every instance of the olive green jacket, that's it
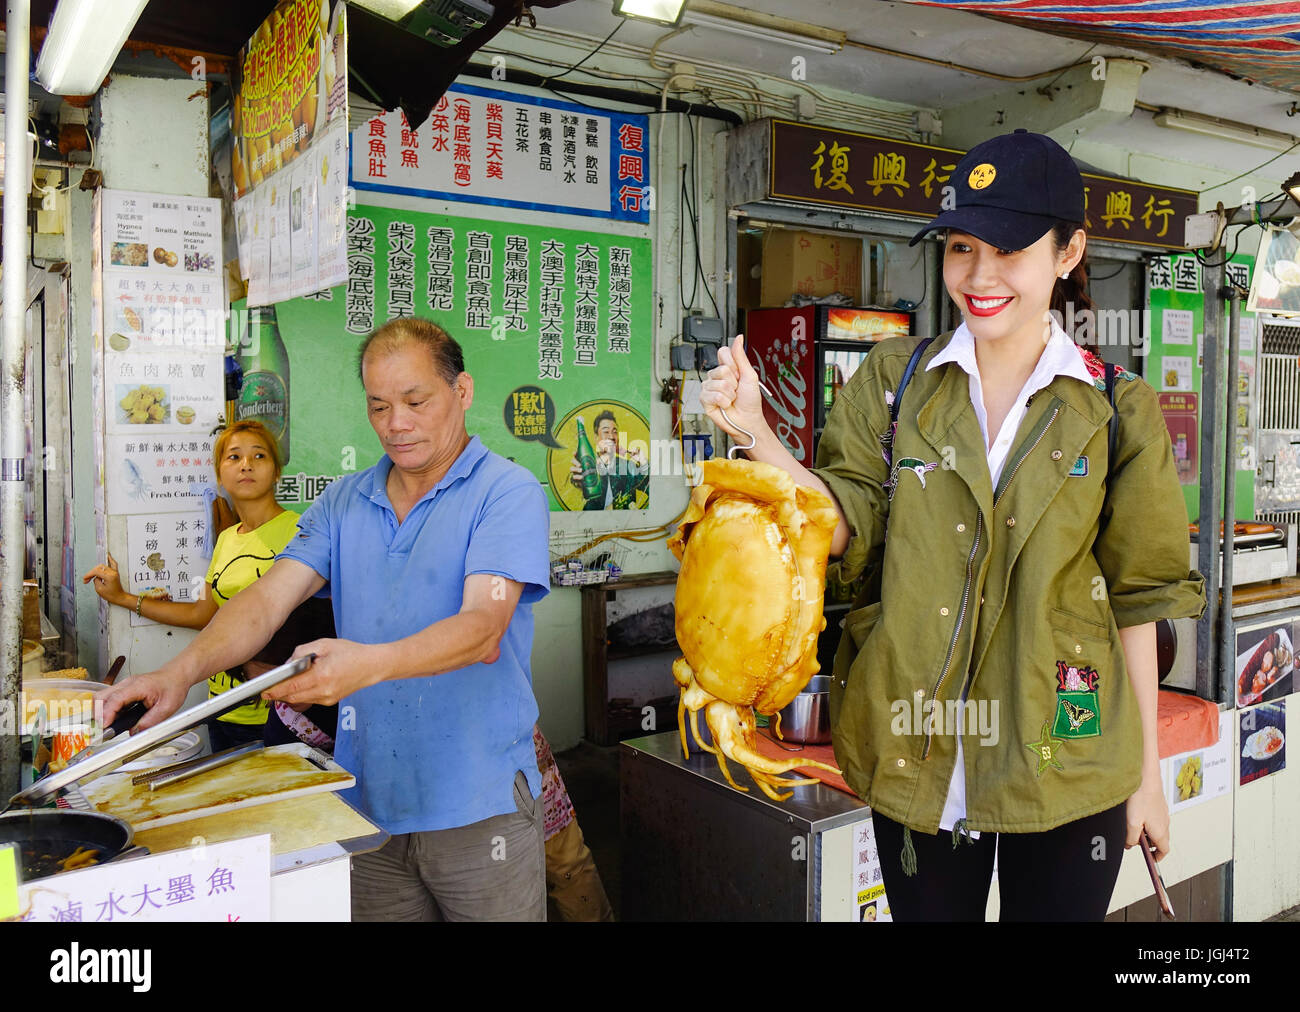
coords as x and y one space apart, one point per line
1012 597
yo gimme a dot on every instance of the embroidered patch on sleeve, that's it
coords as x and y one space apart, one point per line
1046 749
1077 715
1079 469
1070 678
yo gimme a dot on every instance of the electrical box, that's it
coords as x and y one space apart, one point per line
702 330
682 357
1202 230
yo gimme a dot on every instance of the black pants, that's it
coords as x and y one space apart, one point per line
1064 874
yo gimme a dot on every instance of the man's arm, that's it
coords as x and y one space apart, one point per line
471 636
238 631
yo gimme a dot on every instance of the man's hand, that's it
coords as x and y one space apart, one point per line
340 669
162 692
575 473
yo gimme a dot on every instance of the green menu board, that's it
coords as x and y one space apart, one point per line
555 325
1176 300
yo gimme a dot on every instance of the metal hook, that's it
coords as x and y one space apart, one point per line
731 454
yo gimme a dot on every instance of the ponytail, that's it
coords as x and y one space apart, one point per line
1070 296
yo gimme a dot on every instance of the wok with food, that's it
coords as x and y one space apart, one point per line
753 548
57 840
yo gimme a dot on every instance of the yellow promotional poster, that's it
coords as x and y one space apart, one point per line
8 882
290 85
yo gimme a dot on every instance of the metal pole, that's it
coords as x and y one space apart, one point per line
1227 648
13 357
1207 555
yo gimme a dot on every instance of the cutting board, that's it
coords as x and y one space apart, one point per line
296 824
274 774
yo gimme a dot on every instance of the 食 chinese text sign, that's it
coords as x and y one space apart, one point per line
496 147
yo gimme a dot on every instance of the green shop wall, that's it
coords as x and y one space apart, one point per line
1174 362
554 323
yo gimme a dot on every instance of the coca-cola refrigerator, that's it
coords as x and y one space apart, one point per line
804 356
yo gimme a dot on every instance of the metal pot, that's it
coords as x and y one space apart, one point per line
46 836
806 719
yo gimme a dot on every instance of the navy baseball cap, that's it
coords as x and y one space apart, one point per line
1011 190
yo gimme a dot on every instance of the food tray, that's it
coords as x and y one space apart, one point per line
273 774
125 748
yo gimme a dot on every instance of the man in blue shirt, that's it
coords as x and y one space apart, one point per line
433 559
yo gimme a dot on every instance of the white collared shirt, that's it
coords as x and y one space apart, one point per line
1060 357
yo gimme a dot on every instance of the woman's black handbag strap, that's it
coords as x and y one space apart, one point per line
1110 398
907 376
1114 418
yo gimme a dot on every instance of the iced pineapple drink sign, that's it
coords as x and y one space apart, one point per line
554 323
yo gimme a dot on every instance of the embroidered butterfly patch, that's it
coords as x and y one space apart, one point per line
1077 715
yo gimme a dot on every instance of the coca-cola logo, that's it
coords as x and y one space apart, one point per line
789 403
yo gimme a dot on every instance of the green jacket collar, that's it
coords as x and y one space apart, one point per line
947 419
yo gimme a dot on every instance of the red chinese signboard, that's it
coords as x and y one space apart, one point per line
841 168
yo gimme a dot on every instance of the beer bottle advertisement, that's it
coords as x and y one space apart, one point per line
587 461
264 393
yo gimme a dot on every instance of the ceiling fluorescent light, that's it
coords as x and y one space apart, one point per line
84 39
1226 130
663 12
764 27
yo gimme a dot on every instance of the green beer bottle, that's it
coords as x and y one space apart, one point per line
264 394
587 461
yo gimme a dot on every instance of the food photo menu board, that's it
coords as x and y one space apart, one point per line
1263 741
1265 662
163 321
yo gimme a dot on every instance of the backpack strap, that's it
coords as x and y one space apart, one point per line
1114 419
907 376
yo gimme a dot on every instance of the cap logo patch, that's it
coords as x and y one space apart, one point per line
982 176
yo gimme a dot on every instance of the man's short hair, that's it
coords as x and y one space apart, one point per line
448 358
604 416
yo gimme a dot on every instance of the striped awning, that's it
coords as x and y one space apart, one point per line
1255 41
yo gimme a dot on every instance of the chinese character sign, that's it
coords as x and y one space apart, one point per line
290 84
212 882
166 552
496 147
551 321
843 168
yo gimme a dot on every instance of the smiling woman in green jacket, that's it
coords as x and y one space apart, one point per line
997 679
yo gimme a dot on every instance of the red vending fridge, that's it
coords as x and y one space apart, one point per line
804 356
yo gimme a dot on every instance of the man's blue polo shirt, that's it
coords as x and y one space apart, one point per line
440 751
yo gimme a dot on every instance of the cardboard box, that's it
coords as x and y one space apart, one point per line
809 263
31 610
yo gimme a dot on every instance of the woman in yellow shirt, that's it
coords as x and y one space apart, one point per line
247 462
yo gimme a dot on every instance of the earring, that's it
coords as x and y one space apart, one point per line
1065 276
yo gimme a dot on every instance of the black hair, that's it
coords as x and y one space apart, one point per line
595 425
448 358
1070 295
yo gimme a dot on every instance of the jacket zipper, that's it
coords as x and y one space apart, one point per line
970 563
